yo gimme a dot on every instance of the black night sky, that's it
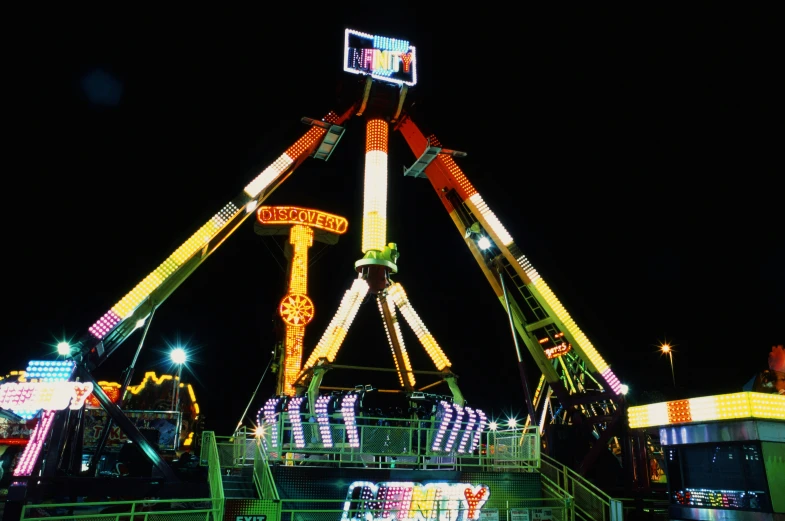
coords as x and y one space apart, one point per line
630 155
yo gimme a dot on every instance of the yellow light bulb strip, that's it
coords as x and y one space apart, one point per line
374 235
709 408
407 373
149 376
197 241
584 345
294 356
335 334
301 238
500 235
398 296
128 304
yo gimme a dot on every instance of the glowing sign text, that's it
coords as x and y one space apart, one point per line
306 216
50 396
385 59
397 500
558 350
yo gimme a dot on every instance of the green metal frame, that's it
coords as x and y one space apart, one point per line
400 443
141 510
190 509
564 491
590 503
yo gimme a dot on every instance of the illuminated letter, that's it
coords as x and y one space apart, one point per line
380 60
80 393
475 500
367 59
423 500
406 59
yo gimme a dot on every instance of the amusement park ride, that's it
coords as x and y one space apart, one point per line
577 390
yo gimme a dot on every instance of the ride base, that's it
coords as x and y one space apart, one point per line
390 474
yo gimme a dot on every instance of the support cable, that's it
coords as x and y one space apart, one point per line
253 396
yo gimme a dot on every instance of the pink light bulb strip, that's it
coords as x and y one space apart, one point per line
27 460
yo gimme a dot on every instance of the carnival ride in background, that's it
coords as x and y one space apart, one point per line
576 389
170 418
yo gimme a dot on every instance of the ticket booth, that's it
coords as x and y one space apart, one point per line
724 455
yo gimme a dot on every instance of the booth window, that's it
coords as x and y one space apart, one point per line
721 475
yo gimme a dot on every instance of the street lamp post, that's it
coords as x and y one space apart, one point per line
666 349
178 357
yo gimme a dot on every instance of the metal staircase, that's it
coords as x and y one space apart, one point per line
238 483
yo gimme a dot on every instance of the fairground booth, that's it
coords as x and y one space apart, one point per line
724 456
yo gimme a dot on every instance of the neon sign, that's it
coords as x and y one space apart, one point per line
385 59
396 500
306 216
559 350
50 396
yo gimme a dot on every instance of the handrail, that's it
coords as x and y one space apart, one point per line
262 475
591 503
293 509
210 457
569 502
396 443
140 509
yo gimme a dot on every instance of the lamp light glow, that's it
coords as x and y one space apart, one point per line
178 356
63 348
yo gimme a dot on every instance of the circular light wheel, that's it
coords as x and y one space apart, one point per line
296 309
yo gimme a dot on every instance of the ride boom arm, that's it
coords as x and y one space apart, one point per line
547 318
129 313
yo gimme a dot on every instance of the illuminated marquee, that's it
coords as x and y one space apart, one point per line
396 500
49 396
732 406
385 59
307 216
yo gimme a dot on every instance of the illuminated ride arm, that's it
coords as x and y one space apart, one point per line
129 313
546 327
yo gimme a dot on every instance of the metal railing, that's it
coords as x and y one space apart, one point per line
262 475
398 443
338 509
190 509
591 503
210 457
142 510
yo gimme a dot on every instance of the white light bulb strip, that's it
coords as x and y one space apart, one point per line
444 416
333 337
349 414
483 422
296 420
409 375
467 434
456 427
398 296
323 418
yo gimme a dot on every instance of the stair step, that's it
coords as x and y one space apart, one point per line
239 487
240 496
